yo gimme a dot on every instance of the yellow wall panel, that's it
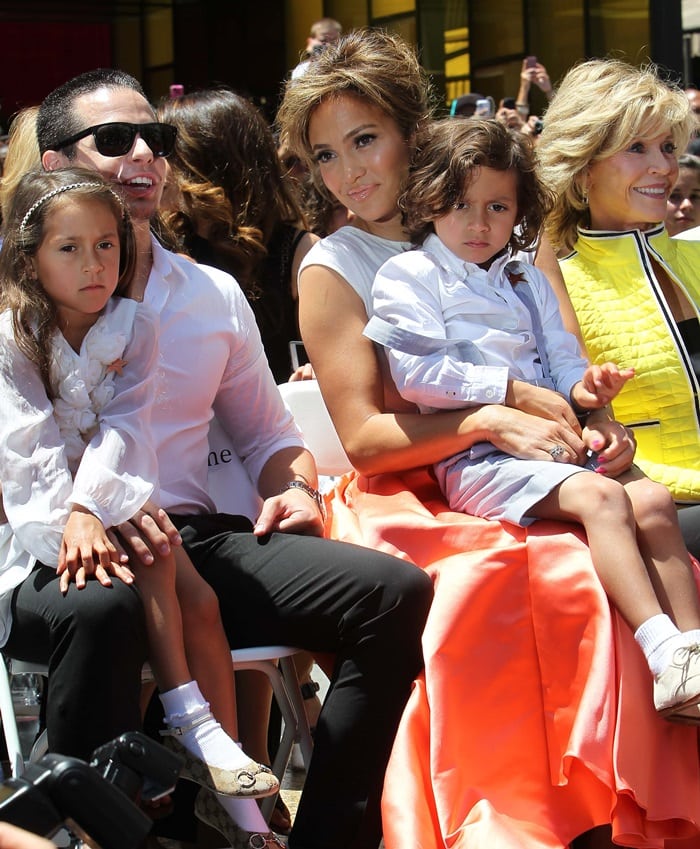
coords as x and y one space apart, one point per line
159 37
385 8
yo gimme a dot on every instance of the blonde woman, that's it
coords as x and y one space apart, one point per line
610 149
22 154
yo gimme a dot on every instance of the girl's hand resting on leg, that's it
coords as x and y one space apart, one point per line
88 552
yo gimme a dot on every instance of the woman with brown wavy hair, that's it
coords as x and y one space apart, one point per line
232 207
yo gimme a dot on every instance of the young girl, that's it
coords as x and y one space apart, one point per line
76 367
463 324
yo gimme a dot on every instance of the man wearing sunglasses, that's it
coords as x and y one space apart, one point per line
278 582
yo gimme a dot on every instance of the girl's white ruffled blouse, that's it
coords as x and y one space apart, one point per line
91 446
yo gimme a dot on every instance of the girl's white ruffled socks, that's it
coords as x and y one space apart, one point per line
209 756
186 708
205 739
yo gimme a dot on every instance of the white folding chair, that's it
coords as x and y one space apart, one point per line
277 662
10 728
304 401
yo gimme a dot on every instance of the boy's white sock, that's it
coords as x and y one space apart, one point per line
659 638
692 637
245 813
206 740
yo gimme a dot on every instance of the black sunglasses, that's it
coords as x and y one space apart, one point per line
117 138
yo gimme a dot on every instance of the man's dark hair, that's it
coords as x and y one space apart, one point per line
56 119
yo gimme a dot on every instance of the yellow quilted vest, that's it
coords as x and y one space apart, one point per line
625 319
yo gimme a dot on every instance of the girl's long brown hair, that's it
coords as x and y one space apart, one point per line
34 316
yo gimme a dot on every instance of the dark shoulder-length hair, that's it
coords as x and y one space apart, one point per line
448 154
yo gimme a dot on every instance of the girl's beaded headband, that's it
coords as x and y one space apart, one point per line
52 194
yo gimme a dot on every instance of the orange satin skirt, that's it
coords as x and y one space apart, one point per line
533 721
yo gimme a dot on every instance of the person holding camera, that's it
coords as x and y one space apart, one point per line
323 32
533 72
508 114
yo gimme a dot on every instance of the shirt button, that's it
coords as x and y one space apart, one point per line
490 393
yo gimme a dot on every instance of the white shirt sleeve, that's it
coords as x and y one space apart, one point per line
409 300
36 481
118 470
248 404
565 360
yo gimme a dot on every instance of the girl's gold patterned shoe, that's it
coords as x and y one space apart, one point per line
208 810
252 781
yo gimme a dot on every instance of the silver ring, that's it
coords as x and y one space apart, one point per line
556 452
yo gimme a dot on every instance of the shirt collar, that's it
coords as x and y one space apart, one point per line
651 231
454 265
159 280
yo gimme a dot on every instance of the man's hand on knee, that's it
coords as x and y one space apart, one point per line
149 531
